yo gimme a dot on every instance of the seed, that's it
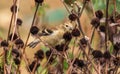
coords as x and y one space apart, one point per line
61 47
4 43
17 61
48 53
116 61
79 63
14 37
97 54
99 14
39 54
34 30
19 42
19 21
67 36
75 32
72 17
39 1
102 28
95 22
13 8
107 55
117 46
16 52
31 66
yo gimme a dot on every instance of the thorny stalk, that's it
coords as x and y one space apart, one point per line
84 4
47 61
15 19
5 49
106 23
33 71
11 19
73 48
106 67
22 56
89 59
5 71
99 67
92 7
92 36
31 27
71 64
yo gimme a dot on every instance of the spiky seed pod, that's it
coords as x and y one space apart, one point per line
61 47
67 36
48 53
116 61
117 46
51 60
110 71
79 63
97 54
102 28
83 42
13 8
4 43
16 52
75 32
107 55
34 30
14 37
95 22
72 17
99 14
31 66
17 61
39 54
39 1
19 22
112 19
19 42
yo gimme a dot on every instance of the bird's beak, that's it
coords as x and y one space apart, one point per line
71 28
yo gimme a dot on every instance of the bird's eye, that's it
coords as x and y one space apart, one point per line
66 25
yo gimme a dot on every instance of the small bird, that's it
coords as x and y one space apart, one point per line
52 36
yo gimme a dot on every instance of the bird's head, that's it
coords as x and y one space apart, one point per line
68 26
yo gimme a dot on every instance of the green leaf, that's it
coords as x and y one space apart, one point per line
44 71
44 48
111 48
65 65
9 55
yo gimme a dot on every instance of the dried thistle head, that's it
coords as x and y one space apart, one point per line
39 54
4 43
99 14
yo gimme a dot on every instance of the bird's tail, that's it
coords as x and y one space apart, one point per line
33 43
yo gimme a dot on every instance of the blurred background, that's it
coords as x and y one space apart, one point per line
51 13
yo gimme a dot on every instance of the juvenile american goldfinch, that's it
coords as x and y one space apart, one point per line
52 36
